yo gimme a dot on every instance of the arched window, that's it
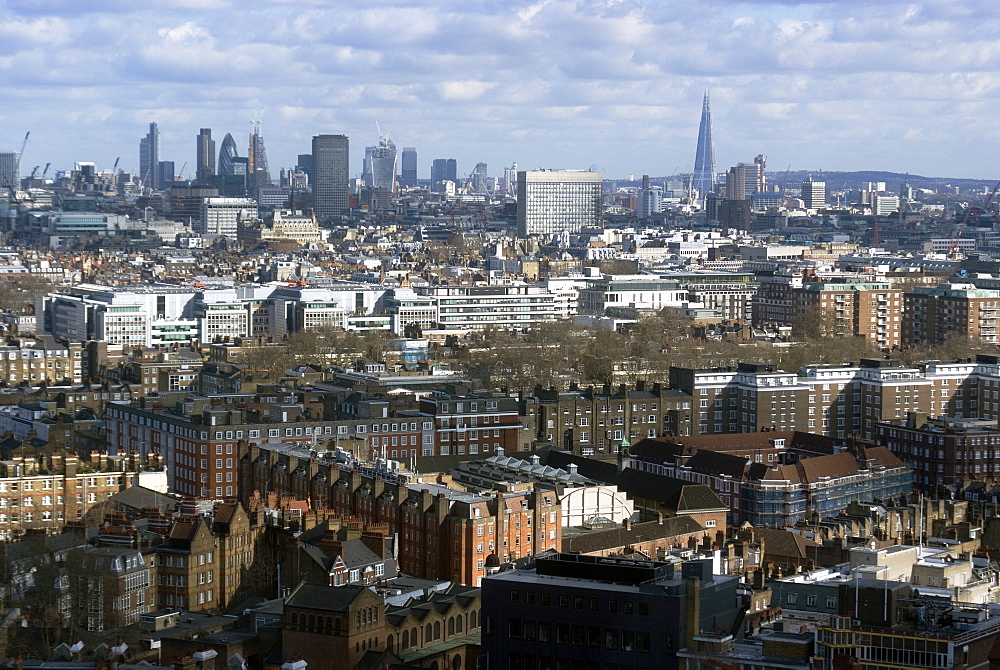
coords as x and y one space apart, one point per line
336 624
458 624
456 663
404 640
388 644
472 620
451 626
295 619
312 622
437 630
413 636
428 634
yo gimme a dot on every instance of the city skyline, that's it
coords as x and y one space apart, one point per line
612 86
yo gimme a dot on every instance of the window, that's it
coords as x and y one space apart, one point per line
811 601
792 598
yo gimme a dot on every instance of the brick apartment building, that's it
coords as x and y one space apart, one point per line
836 401
198 436
593 421
443 533
204 564
109 586
47 492
936 313
868 309
945 451
330 628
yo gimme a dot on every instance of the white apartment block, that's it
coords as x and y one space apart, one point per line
221 216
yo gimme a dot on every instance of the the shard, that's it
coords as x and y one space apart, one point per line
704 160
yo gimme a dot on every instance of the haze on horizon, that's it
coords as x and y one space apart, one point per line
613 85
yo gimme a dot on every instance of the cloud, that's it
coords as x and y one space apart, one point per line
617 83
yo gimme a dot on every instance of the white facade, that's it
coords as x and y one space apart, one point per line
550 202
220 216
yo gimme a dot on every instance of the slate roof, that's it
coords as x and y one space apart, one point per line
779 542
674 494
139 497
613 538
324 598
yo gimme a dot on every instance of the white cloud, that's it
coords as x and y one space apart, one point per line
899 84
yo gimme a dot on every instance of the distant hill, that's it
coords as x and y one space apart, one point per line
839 181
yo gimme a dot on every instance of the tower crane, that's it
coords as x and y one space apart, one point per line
965 219
46 170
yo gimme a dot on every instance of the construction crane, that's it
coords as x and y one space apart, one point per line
970 214
181 173
115 166
45 171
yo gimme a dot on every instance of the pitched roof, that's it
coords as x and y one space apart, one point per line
833 466
326 598
778 542
612 538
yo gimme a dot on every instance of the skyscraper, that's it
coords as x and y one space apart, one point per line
704 159
9 172
479 177
408 171
384 165
558 201
206 155
814 194
227 152
331 170
444 169
149 157
258 174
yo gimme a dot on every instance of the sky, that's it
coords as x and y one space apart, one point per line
610 85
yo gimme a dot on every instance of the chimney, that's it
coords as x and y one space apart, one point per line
628 523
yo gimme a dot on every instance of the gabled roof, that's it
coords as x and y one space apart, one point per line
613 538
325 598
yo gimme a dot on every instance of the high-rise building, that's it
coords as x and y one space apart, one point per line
330 175
736 182
384 165
444 169
258 174
164 174
10 177
305 164
704 159
408 170
479 178
227 152
510 181
206 155
366 167
221 216
558 201
650 199
814 194
149 157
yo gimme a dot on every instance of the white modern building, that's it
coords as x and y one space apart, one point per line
221 216
550 202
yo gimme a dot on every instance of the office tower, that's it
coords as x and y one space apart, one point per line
366 167
258 175
814 194
444 169
383 163
305 164
408 169
206 155
736 182
650 199
479 178
227 152
704 159
10 177
760 162
149 157
558 201
221 216
330 177
510 180
164 174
